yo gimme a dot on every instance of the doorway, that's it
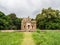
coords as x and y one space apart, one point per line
28 26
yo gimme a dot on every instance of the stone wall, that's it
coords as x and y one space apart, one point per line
28 25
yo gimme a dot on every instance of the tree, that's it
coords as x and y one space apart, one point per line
9 22
15 22
48 19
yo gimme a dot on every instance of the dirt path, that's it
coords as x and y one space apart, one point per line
28 40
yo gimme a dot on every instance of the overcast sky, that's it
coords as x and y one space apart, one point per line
25 8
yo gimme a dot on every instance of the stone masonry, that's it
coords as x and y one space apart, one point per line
28 25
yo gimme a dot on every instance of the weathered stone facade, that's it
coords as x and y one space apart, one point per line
28 25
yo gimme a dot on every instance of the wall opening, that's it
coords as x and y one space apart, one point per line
24 26
32 27
28 26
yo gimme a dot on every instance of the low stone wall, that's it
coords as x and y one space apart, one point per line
12 30
25 31
16 31
7 30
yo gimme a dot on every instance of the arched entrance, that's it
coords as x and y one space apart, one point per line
28 26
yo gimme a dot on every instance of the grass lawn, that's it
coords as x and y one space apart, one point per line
11 38
47 37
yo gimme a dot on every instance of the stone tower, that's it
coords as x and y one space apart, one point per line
28 25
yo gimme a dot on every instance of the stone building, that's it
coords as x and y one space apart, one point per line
28 24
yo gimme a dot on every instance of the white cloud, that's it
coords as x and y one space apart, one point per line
24 8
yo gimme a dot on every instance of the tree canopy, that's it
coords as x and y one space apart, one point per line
48 19
9 22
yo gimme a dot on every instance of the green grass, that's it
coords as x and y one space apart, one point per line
47 37
11 38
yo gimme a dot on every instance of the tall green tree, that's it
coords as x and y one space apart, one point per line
48 19
9 22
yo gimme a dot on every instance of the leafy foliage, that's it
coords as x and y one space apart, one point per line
9 22
48 19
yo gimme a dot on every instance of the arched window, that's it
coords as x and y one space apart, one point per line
24 26
32 27
28 26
